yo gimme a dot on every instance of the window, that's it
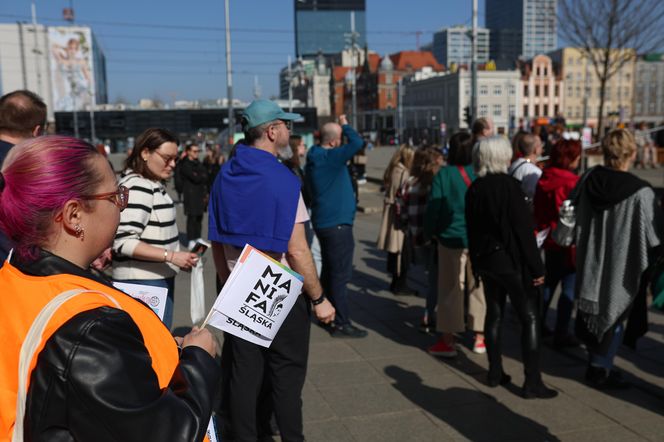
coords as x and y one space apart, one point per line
512 110
578 91
556 109
570 90
537 114
497 90
556 91
546 110
537 90
538 71
512 89
484 110
525 110
546 90
546 71
525 90
484 89
497 110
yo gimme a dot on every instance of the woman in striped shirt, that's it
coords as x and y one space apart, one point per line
146 248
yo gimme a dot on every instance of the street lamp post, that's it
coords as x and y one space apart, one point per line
229 76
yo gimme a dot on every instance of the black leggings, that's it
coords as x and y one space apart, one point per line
526 302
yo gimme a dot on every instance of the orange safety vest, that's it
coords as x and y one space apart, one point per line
23 297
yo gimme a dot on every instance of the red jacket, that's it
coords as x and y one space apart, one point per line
552 189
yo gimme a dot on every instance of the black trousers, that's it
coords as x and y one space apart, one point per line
259 381
194 225
526 302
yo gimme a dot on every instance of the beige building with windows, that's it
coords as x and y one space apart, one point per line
542 88
580 79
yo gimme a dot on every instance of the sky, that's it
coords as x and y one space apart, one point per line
175 50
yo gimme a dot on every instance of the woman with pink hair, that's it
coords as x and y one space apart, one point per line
82 360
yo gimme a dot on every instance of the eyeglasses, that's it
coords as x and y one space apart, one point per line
167 159
120 197
288 124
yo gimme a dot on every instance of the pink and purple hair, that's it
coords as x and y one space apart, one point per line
40 176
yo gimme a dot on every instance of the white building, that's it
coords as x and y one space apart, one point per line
649 89
309 81
499 97
454 45
62 64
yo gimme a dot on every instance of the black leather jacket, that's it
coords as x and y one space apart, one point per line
94 380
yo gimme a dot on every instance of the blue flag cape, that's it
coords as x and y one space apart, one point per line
253 201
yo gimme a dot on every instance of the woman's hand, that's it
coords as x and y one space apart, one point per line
538 281
184 260
201 337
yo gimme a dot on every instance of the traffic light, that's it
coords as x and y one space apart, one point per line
467 117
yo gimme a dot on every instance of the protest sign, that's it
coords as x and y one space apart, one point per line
256 298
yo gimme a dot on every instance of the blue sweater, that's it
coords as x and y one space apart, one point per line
332 198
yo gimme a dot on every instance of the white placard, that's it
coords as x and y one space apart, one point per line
154 297
541 237
256 298
211 431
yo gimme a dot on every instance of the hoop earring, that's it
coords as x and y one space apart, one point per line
80 232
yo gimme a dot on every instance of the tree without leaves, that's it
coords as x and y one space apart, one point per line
611 33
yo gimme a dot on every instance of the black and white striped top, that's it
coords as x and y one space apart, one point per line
150 218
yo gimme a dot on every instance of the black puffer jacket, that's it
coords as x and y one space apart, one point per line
94 380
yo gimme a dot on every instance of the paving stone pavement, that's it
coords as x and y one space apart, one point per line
387 388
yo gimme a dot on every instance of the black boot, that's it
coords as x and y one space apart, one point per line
603 379
536 389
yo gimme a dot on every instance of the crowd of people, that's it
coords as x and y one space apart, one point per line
487 223
508 226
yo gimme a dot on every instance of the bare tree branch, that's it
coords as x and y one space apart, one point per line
611 33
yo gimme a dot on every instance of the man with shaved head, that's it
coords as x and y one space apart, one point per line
524 168
333 213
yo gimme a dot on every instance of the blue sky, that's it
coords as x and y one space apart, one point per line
175 49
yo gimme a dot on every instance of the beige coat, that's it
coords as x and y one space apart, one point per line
390 239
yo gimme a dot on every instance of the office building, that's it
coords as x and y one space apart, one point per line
325 26
499 97
454 45
520 29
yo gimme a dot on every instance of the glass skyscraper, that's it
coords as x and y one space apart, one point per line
325 26
520 28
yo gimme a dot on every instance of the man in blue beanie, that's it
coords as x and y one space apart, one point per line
256 200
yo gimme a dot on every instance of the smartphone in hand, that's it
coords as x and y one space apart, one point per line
200 247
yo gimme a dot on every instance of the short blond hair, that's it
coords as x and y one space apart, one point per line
618 147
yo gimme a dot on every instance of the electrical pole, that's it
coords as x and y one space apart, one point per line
473 88
229 77
353 36
400 110
290 86
35 51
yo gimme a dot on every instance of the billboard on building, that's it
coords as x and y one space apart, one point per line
72 68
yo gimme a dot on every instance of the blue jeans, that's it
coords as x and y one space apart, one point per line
606 361
337 245
557 271
167 283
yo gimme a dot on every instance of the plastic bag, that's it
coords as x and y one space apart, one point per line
197 306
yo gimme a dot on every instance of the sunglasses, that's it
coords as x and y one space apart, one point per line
120 197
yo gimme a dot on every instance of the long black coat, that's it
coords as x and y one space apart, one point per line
194 184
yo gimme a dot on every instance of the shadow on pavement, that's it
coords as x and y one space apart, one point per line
463 409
